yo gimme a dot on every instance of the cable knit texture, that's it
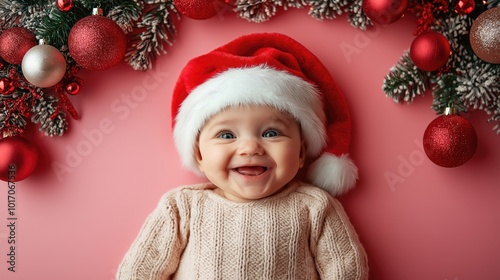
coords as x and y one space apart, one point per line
299 233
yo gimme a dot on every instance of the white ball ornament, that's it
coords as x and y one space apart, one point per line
43 65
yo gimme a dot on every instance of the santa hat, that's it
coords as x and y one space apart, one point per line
274 70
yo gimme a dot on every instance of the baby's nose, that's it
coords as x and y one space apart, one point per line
250 147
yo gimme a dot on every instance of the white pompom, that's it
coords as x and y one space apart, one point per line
336 175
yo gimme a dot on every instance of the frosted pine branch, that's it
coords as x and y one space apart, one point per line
327 9
405 81
158 30
257 10
357 17
52 121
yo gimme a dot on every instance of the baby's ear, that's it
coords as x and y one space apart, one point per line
198 157
302 154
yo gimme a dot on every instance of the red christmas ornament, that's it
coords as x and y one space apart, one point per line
97 42
197 9
6 86
18 160
484 36
450 140
14 43
430 51
384 11
73 88
65 5
464 7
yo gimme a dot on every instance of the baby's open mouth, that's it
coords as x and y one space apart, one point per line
251 170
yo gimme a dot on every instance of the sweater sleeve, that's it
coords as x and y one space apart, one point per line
156 251
338 252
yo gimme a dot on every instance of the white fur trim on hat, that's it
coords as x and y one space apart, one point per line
335 174
260 85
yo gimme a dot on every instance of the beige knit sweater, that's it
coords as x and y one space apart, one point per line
298 233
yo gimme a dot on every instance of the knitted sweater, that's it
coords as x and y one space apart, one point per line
299 233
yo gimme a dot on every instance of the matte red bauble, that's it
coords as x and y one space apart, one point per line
18 160
484 35
430 51
384 11
14 43
197 9
450 140
97 42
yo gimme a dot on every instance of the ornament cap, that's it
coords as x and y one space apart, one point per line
42 41
97 12
450 111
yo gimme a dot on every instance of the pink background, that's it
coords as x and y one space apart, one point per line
431 223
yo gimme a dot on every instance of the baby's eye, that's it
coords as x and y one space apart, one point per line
226 135
270 133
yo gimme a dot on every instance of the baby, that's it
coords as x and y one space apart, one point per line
249 115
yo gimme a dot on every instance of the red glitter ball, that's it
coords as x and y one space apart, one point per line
14 43
450 140
97 42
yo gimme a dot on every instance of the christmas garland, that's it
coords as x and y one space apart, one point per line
455 54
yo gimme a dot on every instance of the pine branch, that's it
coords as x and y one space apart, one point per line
157 30
479 84
126 14
496 117
47 113
22 13
327 9
357 17
257 10
295 4
405 81
445 93
56 25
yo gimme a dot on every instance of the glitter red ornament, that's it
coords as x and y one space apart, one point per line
18 160
450 140
484 35
65 5
384 11
464 7
14 43
197 9
97 42
430 51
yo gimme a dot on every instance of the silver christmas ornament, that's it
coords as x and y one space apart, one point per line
43 65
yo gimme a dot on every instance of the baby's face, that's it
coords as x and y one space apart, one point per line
250 152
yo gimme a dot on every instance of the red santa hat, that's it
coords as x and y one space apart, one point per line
274 70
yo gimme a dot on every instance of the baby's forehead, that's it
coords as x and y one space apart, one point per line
257 110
